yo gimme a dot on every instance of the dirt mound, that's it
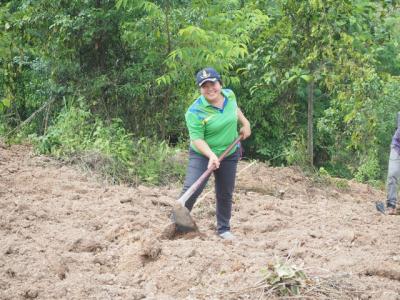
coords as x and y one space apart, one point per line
66 235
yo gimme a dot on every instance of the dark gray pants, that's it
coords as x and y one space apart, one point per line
224 185
393 177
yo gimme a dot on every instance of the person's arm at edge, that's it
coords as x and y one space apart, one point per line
245 130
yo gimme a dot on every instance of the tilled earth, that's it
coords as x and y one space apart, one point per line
65 234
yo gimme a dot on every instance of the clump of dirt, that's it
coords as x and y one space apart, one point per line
389 273
31 294
61 270
85 245
68 235
150 250
169 232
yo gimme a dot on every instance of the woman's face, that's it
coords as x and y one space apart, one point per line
211 90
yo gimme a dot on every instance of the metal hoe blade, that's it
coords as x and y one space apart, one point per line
182 219
380 206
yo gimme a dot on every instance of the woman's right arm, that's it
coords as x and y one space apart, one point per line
203 147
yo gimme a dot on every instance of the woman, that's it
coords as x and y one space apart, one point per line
212 124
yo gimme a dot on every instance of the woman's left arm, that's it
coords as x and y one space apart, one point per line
245 130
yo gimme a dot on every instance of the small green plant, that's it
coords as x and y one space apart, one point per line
3 129
369 170
284 279
155 162
323 178
296 153
71 133
342 184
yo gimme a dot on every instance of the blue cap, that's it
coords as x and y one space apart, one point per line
207 74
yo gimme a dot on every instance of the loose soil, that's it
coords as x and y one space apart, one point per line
65 234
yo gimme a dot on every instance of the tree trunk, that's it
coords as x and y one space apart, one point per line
167 15
169 47
310 113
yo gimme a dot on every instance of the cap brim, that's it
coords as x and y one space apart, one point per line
208 79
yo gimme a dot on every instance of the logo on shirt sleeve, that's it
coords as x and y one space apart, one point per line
205 120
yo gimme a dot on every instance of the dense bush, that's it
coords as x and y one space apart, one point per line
78 135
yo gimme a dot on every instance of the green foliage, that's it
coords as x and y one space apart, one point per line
5 103
156 162
70 134
77 134
296 152
270 124
369 170
132 64
2 129
324 178
359 125
329 43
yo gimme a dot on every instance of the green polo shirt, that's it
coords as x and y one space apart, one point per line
218 127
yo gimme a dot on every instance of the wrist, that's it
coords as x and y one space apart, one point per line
212 155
